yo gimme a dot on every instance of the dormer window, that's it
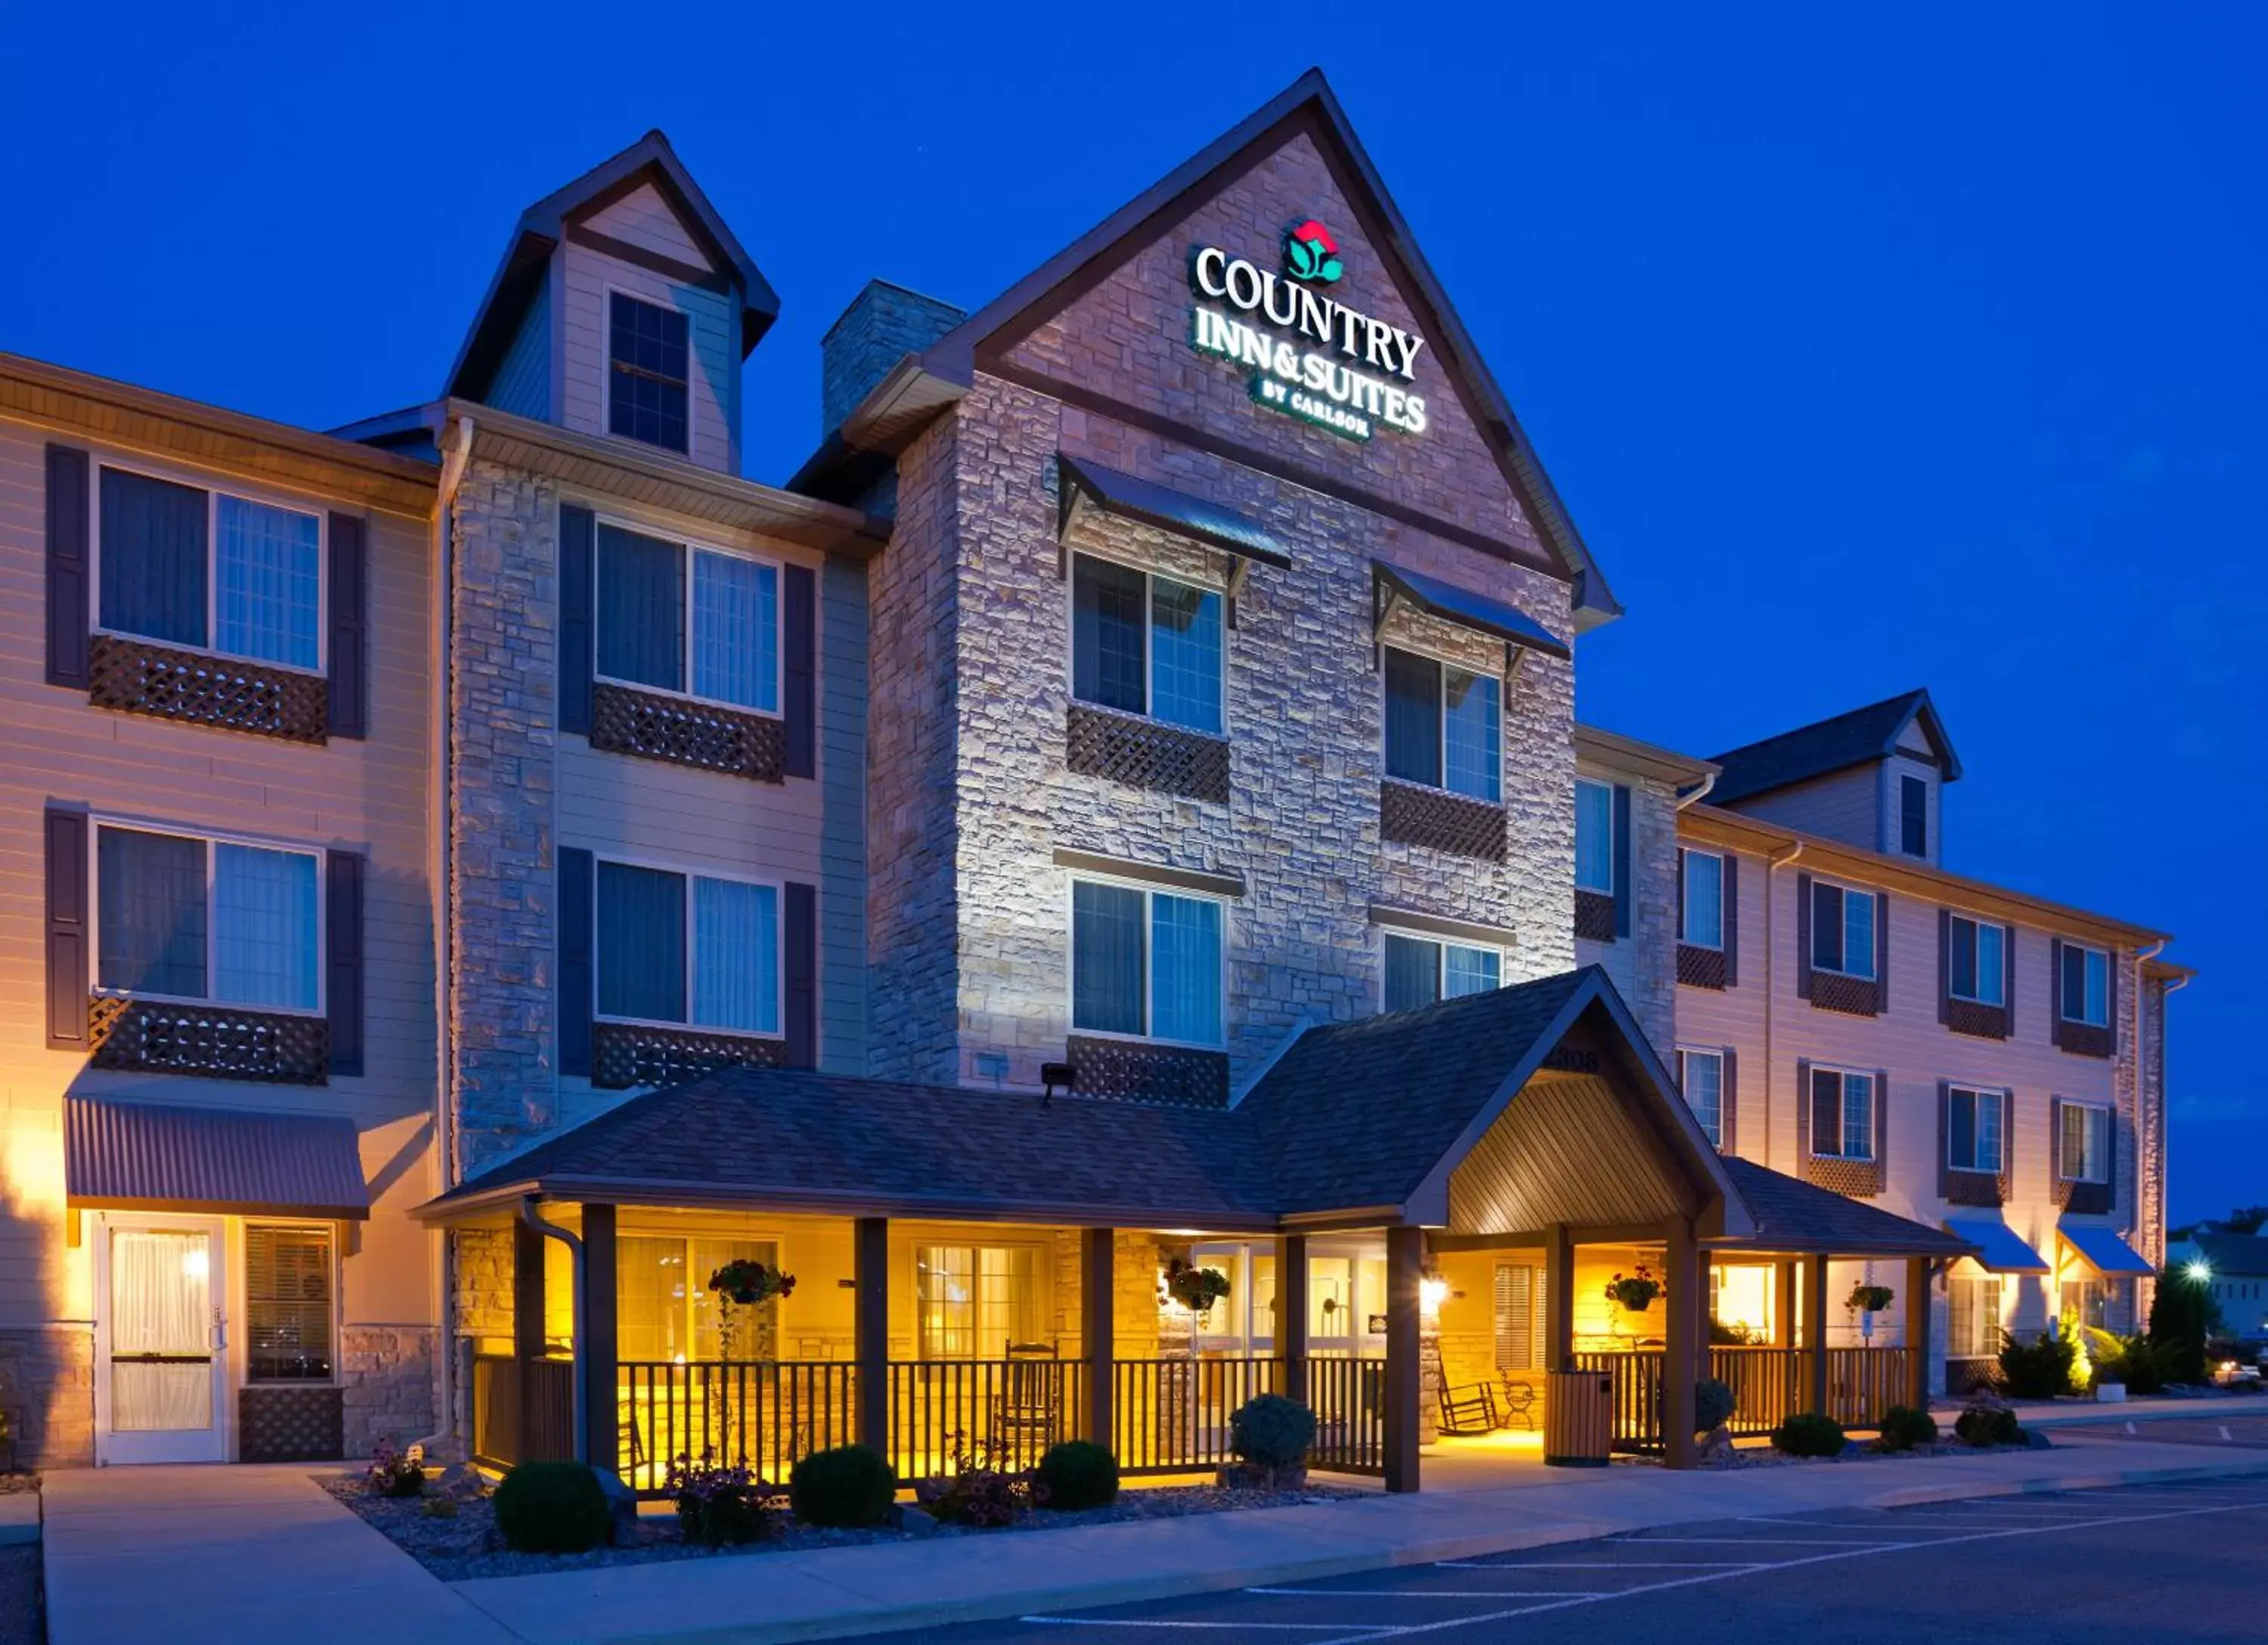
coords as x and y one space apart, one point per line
646 372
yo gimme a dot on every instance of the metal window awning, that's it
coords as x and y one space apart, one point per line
1463 607
145 1156
2102 1250
1091 485
1999 1249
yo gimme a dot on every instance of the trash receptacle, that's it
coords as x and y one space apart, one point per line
1579 1419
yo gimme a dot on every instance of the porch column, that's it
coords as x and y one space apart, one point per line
526 1338
1559 1299
1685 1308
1291 1313
600 1345
1405 1266
1918 1301
870 1414
1098 1330
1784 1301
1815 1329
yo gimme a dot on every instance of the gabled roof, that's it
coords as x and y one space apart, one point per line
923 385
545 224
1794 1215
1828 746
2244 1254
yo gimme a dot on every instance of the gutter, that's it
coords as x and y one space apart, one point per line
1708 781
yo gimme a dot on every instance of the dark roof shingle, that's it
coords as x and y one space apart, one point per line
1794 1215
1825 746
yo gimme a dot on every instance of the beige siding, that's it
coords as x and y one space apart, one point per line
645 219
714 363
365 796
1846 806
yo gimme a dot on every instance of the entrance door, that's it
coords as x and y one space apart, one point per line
161 1373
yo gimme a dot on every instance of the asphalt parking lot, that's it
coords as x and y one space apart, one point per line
2169 1562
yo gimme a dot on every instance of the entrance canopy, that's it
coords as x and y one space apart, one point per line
141 1157
1999 1248
2102 1250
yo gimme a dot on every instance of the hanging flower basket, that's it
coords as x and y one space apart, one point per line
1634 1293
746 1282
1870 1299
1195 1288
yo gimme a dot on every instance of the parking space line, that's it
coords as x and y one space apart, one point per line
1737 1542
1603 1565
1383 1631
1436 1593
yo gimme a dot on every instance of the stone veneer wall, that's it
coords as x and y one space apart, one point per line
46 1390
2150 1131
387 1379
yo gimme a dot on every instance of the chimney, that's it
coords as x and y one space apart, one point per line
883 324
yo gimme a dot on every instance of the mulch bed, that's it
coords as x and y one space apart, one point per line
1765 1457
465 1545
12 1483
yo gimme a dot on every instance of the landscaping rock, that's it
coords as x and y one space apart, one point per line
915 1522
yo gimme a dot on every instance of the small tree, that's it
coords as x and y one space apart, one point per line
2183 1314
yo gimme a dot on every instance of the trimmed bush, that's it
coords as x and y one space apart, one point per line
1269 1431
1983 1424
1809 1434
1713 1405
1903 1428
552 1508
1078 1474
849 1488
2183 1315
2037 1370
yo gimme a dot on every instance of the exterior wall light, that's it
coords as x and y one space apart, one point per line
1431 1294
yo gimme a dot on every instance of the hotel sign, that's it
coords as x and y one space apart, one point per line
1311 356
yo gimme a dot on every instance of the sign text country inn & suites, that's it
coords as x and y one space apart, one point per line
1292 378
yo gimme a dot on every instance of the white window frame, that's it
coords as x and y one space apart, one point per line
1716 1054
613 289
1608 889
1149 619
284 502
2063 1005
1149 890
1440 946
1874 933
209 838
1844 1076
1685 914
2108 1121
1441 719
1042 1285
1976 927
1955 1089
779 910
689 546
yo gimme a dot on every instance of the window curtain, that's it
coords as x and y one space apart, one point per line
1826 1113
263 917
1007 1300
650 1278
1594 838
161 1302
1413 718
735 632
152 911
1858 1117
1107 635
1469 970
736 956
1105 958
267 563
1967 940
1470 733
944 1286
1988 1130
1185 969
641 943
153 558
1412 973
1986 986
1705 899
1185 644
641 608
1826 927
1703 1079
1858 934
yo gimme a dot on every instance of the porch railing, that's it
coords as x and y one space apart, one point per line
1769 1385
1006 1411
509 1428
1636 1395
1349 1399
1862 1383
760 1414
1170 1416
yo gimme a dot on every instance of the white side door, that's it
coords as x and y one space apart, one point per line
160 1340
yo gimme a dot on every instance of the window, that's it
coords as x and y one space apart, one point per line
1842 929
2085 985
1443 726
1973 1318
182 917
1145 963
1701 1076
1842 1115
646 372
977 1301
664 1311
1979 961
678 947
1520 1318
287 1304
648 606
2083 1144
1146 644
209 570
1594 838
1743 1298
1705 899
1913 816
1974 1127
2086 1302
1419 971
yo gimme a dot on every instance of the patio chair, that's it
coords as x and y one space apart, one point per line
1028 1416
1518 1402
1469 1411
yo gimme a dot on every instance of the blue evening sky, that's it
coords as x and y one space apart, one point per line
1870 348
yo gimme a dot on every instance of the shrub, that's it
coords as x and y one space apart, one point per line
720 1507
396 1473
1269 1431
1078 1474
1809 1434
2183 1314
1987 1420
849 1488
1713 1405
981 1490
1903 1428
552 1508
2037 1370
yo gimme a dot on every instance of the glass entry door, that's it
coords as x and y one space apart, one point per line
161 1346
1346 1299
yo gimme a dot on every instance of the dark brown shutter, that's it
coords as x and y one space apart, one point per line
577 945
1945 965
1882 951
67 933
1731 921
2007 1142
342 958
2055 1146
348 694
1681 893
2055 992
2008 979
800 684
576 573
1802 937
1803 1115
1621 859
801 928
1882 1122
2111 969
1944 1139
1728 1104
69 591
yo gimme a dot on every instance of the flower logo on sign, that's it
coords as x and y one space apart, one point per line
1312 253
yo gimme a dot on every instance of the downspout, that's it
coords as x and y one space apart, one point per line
1773 863
1700 790
552 1230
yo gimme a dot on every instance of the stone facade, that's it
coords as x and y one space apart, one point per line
388 1377
47 1393
884 323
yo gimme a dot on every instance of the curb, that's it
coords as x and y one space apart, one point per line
19 1519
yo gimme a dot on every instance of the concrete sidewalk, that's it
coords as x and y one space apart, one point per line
2063 1413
